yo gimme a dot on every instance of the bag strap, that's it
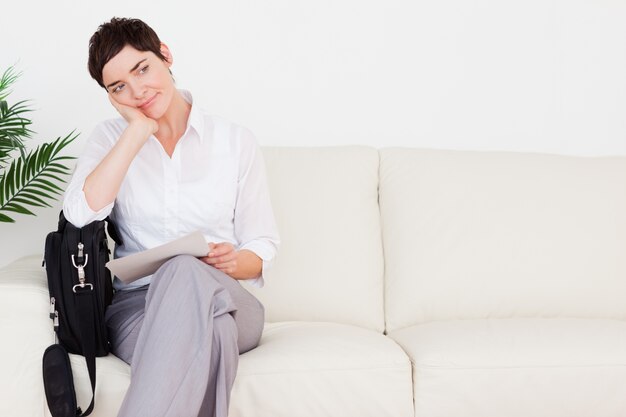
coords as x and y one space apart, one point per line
84 315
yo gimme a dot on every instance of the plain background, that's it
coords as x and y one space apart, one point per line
533 76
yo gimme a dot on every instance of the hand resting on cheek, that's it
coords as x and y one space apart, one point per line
134 116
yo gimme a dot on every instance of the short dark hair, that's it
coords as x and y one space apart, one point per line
111 37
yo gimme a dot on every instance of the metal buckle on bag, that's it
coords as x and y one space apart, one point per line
83 286
81 270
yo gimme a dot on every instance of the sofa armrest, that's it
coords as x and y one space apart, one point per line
26 332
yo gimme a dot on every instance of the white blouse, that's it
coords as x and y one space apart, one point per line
215 182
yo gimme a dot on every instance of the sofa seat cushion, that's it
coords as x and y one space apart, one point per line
518 367
112 380
26 332
299 369
317 369
24 315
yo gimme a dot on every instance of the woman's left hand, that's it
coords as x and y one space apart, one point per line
222 256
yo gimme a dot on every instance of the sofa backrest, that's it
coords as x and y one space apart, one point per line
496 235
330 263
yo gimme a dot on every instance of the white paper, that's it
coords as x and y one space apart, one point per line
141 264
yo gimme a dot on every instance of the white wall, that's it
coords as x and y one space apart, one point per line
537 75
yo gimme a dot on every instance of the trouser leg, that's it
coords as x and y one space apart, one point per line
222 370
196 322
124 318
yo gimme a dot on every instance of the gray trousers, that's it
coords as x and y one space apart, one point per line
182 336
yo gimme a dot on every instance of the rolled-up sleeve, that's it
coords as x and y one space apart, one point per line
75 207
255 225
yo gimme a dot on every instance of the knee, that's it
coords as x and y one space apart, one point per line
182 261
181 267
183 274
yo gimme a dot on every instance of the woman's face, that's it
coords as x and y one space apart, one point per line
140 79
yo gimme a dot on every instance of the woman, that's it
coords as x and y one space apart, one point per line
164 169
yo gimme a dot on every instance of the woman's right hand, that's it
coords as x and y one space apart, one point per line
134 116
103 184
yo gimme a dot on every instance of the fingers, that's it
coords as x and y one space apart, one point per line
206 258
228 267
126 112
133 114
215 260
220 249
222 256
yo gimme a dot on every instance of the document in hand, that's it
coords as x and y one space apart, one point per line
141 264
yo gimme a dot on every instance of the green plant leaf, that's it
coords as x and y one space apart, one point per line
10 185
54 177
18 209
28 202
49 184
6 80
14 127
33 178
43 187
32 197
30 182
6 219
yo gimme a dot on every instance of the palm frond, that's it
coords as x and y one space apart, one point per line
14 128
33 179
6 80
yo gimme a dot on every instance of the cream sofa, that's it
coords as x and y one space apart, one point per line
410 282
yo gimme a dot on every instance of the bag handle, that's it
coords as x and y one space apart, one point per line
112 229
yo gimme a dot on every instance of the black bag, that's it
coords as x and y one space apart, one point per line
80 290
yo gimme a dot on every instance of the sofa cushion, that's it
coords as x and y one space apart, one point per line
497 235
24 309
322 369
518 367
112 381
298 369
330 263
26 332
